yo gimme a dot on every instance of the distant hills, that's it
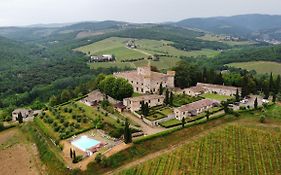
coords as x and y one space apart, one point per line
248 26
253 26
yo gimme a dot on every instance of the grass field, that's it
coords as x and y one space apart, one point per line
216 96
261 67
210 37
145 48
231 150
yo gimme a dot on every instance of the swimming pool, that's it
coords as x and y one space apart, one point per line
84 143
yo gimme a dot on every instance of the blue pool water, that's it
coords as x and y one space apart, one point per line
84 143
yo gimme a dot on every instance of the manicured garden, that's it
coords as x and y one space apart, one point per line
158 112
183 99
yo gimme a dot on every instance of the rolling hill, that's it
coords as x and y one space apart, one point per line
241 25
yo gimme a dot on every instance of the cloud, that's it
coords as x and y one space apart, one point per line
22 12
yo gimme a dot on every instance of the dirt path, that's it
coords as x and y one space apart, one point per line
148 130
164 151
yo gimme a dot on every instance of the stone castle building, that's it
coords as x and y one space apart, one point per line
144 80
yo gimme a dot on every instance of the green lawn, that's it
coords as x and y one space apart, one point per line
169 123
180 100
113 45
216 96
259 66
145 48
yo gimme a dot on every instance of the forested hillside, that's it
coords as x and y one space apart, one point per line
242 25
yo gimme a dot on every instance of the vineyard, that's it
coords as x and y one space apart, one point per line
231 150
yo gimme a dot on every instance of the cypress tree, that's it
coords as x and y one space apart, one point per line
74 155
20 118
171 98
274 98
271 83
71 153
256 103
207 115
161 89
127 132
237 97
166 101
277 84
183 122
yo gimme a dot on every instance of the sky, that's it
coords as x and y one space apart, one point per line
26 12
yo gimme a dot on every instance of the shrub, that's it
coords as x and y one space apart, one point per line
85 120
77 126
61 120
66 124
77 159
262 119
98 158
65 109
55 124
70 110
78 119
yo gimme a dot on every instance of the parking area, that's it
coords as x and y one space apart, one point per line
248 102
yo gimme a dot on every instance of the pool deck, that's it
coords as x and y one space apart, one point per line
111 148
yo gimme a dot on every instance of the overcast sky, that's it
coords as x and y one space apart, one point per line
25 12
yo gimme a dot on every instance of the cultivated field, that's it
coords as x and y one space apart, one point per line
259 66
18 155
74 118
232 150
169 55
211 37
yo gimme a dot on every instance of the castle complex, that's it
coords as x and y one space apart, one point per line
144 80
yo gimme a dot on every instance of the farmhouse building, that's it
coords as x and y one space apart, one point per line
192 91
27 114
219 89
144 80
134 103
93 98
103 58
194 108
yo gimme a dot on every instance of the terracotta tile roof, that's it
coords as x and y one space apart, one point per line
145 97
222 87
196 105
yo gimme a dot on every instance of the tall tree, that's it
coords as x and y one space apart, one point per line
171 98
256 103
205 75
277 84
271 83
182 122
167 99
127 132
160 89
207 115
71 153
20 118
74 155
237 96
274 98
245 88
